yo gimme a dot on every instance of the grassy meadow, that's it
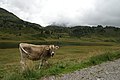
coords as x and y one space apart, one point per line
73 54
80 46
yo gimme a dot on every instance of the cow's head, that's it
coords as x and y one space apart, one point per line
52 49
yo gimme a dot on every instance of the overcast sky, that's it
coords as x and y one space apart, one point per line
70 12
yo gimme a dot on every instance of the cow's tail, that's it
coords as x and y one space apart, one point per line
21 48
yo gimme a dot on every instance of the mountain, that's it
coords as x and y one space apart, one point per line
5 15
10 24
14 28
9 20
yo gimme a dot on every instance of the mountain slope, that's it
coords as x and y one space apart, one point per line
9 20
5 15
12 26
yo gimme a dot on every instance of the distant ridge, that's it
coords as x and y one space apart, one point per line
14 28
8 19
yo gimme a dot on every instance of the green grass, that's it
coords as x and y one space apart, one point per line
67 59
62 67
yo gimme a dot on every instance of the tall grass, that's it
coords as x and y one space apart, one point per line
72 55
62 67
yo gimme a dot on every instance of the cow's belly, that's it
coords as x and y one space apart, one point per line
34 57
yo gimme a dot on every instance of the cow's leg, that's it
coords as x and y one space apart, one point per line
22 64
47 64
40 64
23 60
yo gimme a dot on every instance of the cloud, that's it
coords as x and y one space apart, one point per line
70 12
105 13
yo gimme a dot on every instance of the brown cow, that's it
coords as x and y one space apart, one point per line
35 52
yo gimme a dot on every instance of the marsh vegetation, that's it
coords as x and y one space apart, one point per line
73 54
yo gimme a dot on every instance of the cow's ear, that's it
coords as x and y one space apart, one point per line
51 46
56 47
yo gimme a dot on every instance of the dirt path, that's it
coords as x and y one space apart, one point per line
105 71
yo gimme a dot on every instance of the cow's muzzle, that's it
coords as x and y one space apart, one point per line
52 54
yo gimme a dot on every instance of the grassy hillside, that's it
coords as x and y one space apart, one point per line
13 28
67 59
